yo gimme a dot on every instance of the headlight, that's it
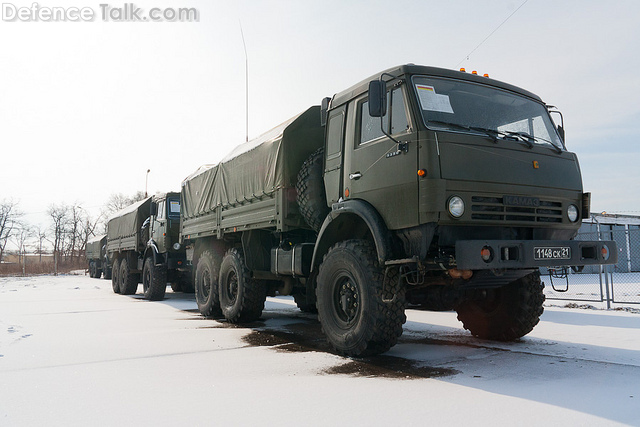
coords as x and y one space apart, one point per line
572 213
456 206
176 246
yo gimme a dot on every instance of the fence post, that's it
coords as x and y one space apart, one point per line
628 241
603 268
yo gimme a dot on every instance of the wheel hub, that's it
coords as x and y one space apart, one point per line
348 301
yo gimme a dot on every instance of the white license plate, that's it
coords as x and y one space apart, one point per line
552 252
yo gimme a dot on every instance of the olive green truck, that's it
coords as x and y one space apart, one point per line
96 257
142 246
417 187
422 186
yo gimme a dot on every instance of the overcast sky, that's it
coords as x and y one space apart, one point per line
87 107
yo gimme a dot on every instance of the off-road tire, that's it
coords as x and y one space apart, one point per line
154 280
506 313
98 273
128 281
359 313
206 278
187 287
303 304
311 195
241 297
115 273
92 270
107 270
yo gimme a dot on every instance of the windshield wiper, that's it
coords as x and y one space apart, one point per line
524 137
493 134
496 135
530 139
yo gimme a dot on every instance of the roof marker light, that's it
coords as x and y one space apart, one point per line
463 70
486 75
474 72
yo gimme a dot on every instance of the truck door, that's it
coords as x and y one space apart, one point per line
333 154
160 226
375 170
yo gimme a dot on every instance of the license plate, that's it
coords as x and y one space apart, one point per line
552 252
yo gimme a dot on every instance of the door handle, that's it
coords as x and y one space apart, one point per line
356 175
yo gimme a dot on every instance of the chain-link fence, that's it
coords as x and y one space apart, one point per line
618 283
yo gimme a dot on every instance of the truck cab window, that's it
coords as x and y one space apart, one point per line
162 212
370 126
334 134
399 121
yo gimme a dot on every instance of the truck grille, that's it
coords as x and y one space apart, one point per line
494 209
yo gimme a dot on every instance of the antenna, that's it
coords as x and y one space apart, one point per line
486 38
246 80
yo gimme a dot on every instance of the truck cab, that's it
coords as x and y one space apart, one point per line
449 157
164 244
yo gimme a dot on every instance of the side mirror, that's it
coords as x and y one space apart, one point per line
324 111
153 209
561 132
377 98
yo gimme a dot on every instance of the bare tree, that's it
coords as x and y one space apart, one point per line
9 216
41 236
22 233
59 215
85 230
119 201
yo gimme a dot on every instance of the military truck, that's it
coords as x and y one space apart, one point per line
95 254
142 246
420 185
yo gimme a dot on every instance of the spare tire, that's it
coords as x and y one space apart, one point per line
312 199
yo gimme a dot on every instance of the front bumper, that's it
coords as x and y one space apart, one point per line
508 254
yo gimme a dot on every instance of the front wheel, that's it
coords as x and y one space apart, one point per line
241 296
506 313
154 280
360 314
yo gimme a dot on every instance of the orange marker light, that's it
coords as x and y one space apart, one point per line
463 70
474 72
346 192
485 254
486 75
422 173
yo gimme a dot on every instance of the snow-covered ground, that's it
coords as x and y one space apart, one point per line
74 353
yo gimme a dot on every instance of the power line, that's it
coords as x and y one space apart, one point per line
486 38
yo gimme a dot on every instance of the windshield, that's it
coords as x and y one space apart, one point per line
470 107
174 208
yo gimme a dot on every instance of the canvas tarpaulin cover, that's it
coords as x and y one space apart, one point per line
256 168
127 222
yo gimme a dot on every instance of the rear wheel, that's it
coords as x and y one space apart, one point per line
506 313
303 303
115 275
359 313
207 293
107 270
241 297
128 280
154 280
